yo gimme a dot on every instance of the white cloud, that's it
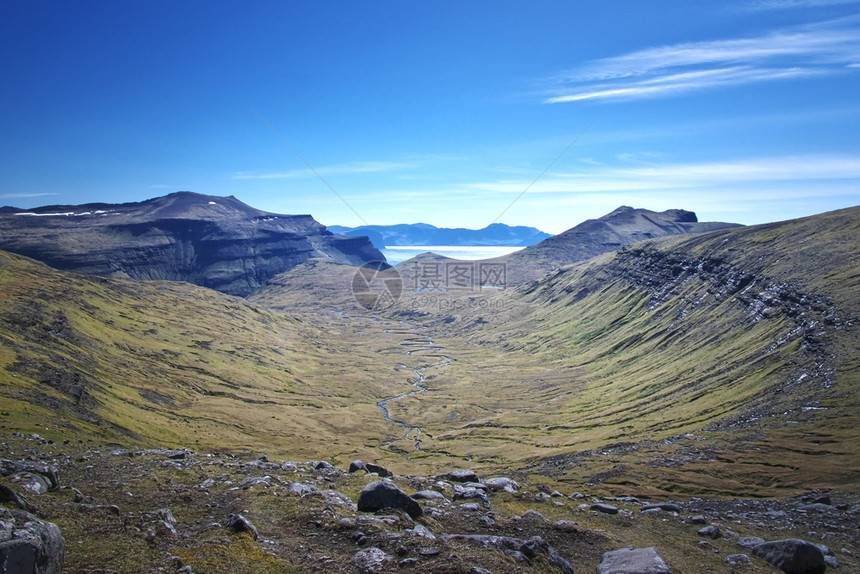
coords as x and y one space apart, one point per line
762 5
346 168
825 48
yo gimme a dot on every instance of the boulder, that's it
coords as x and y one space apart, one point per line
380 470
29 544
633 561
370 560
428 495
238 523
382 494
502 483
666 506
710 531
793 556
460 475
355 466
605 508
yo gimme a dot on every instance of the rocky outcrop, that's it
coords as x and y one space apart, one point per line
29 545
215 242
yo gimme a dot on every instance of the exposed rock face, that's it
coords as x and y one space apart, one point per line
29 545
215 242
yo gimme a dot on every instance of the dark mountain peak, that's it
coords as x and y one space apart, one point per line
213 241
623 226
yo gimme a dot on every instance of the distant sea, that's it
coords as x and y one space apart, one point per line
395 254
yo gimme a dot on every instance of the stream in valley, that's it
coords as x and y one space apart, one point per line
414 344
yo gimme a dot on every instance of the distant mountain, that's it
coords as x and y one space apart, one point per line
215 242
406 234
611 232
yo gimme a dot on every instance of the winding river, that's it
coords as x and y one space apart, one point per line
414 344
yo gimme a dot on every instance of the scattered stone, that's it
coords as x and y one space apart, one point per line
535 516
556 494
428 495
303 490
355 466
487 521
633 561
31 545
460 475
750 541
407 562
48 473
375 468
831 561
566 526
502 483
470 506
323 465
206 484
710 531
793 556
738 559
238 523
605 508
823 500
472 493
427 551
699 519
382 494
370 560
335 498
477 570
250 481
423 531
9 495
666 506
521 550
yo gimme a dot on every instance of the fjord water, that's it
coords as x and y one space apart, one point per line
395 254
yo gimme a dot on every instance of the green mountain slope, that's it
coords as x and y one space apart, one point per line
724 362
166 364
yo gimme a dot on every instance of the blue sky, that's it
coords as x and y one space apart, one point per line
539 113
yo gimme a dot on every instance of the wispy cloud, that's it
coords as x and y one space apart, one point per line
762 5
346 168
814 50
688 176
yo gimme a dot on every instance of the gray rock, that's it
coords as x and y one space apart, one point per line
477 570
535 516
323 466
698 519
502 483
238 523
335 498
382 494
750 541
428 495
31 482
737 559
710 531
380 470
460 475
793 556
633 561
667 506
370 560
355 466
303 490
831 561
605 508
472 493
34 545
48 472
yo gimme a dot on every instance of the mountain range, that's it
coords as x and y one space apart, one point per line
417 234
215 242
643 359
